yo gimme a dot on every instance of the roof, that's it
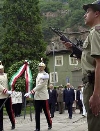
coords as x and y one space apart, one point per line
58 52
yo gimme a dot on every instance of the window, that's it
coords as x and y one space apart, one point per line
58 60
52 77
73 61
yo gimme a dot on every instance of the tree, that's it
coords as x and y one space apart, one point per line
23 38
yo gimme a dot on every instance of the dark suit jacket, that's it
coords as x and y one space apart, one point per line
79 102
69 96
52 96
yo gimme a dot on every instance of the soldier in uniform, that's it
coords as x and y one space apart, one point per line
90 61
4 93
60 99
41 96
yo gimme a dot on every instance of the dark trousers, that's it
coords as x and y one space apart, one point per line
52 108
17 109
44 105
69 107
9 110
19 105
61 107
81 109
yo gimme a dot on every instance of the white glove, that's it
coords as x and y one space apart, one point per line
9 92
27 94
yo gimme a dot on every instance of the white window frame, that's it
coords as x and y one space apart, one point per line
61 60
70 60
52 75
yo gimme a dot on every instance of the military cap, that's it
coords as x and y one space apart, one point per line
1 66
41 64
95 6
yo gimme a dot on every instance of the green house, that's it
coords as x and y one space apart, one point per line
64 69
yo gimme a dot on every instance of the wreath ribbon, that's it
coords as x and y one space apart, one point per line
28 76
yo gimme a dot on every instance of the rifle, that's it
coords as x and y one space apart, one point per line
77 51
25 109
4 102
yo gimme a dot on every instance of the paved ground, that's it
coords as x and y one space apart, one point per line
61 122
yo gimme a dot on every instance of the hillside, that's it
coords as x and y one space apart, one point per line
67 16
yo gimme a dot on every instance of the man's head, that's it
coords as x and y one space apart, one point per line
92 15
68 85
41 66
51 86
60 87
79 87
1 68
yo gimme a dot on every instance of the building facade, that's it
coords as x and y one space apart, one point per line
64 68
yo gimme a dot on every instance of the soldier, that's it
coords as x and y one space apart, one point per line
4 93
90 61
41 96
60 99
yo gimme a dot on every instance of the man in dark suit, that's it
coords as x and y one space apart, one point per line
52 99
69 97
79 101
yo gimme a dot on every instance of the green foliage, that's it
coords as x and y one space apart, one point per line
23 38
52 6
22 22
20 83
72 19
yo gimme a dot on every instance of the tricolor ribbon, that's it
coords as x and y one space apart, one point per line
28 76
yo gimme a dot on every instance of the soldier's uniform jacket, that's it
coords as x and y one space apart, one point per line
60 95
3 85
41 92
91 50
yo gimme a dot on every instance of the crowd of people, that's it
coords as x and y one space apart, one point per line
62 98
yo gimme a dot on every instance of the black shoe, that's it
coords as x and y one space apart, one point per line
70 117
84 115
37 130
13 127
49 127
52 116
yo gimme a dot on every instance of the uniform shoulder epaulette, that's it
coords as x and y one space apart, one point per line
97 28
